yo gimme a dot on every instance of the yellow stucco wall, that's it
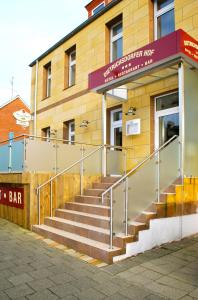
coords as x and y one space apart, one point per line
91 43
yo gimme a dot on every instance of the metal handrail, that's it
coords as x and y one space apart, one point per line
64 141
38 189
125 177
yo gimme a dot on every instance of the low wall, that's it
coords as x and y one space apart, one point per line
24 209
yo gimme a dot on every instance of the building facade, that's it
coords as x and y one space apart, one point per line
9 123
63 100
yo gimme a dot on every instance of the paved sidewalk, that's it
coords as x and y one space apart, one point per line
31 269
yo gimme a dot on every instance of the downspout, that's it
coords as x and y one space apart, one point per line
35 99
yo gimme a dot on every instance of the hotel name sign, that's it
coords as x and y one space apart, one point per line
169 46
13 197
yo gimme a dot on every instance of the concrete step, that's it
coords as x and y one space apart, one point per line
94 192
92 200
146 216
85 218
110 179
89 208
101 185
134 227
88 231
85 245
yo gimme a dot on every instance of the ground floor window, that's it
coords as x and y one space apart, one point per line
45 133
69 131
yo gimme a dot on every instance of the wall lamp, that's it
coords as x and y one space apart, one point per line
131 111
84 124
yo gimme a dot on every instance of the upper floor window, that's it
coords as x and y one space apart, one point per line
72 67
116 41
47 80
98 8
164 17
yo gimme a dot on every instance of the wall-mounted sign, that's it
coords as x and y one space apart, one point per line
175 44
133 127
13 197
22 117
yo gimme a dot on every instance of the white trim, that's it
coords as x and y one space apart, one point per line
159 13
71 64
161 113
114 124
114 38
92 12
71 133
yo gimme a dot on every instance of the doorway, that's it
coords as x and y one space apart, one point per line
166 118
116 127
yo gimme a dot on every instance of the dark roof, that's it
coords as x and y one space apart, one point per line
76 30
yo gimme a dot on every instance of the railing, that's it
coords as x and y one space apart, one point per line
137 189
92 163
27 153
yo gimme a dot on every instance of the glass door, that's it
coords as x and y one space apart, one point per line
166 118
116 127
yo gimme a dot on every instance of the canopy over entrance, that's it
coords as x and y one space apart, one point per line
152 62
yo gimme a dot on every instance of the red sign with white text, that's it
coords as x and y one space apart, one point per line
13 197
169 46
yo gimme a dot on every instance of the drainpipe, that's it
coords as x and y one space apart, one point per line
35 99
104 135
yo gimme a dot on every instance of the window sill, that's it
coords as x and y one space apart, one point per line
45 98
68 87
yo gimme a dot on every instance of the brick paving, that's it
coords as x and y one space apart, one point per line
31 268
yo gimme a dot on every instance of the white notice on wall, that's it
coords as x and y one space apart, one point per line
133 127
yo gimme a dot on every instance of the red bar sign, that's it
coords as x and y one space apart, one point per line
13 197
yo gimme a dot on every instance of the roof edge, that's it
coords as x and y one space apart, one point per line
76 30
15 98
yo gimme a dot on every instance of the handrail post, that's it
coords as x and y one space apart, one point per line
51 199
125 161
104 161
158 177
39 206
126 205
81 170
111 220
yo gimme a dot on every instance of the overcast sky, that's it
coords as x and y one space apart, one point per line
27 29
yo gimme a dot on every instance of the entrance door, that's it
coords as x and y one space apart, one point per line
116 127
166 118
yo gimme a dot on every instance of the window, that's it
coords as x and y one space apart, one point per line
47 80
116 41
98 8
116 127
72 68
164 17
69 131
46 134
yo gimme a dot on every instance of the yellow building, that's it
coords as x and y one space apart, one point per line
113 151
63 100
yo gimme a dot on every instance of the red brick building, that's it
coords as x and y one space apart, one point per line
8 122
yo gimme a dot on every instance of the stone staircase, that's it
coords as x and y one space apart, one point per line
84 224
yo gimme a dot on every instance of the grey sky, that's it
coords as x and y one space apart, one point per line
27 29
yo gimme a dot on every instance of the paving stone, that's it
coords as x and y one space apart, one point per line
44 295
91 294
65 290
19 291
154 297
187 298
61 278
134 292
172 282
194 293
5 284
3 296
84 283
19 279
117 297
40 284
70 297
40 274
166 291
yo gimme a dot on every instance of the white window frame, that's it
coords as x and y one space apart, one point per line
71 133
159 13
161 113
114 38
92 12
71 64
49 80
114 125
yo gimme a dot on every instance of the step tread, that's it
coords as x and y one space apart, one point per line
149 213
78 238
88 196
89 205
135 223
96 189
80 225
84 214
168 193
